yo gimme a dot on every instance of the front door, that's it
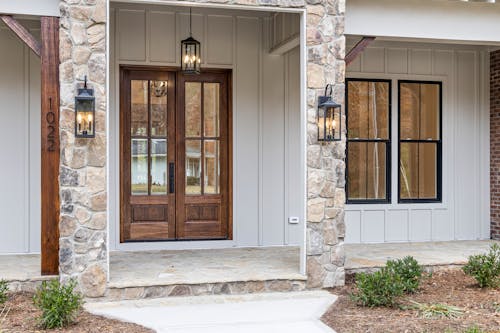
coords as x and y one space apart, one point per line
175 155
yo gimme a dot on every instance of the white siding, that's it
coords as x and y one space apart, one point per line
464 211
266 111
20 163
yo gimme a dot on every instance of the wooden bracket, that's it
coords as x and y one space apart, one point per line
22 33
286 45
357 49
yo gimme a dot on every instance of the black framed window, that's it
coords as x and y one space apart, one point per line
368 111
420 144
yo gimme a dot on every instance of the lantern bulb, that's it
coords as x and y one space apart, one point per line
79 118
89 118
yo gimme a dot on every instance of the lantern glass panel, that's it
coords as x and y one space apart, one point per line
85 119
329 123
190 56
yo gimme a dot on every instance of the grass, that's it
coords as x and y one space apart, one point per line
437 310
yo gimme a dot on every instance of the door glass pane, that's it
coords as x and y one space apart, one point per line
193 166
368 109
139 167
366 171
418 170
158 166
158 108
211 166
139 107
193 109
429 117
211 109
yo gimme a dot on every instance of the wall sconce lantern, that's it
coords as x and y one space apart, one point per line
329 117
85 112
190 52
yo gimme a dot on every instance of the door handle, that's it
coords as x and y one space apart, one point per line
171 177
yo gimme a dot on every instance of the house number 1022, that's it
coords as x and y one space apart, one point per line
50 117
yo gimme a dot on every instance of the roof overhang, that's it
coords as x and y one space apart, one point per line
475 22
30 7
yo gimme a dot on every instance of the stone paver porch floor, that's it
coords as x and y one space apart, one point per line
150 268
360 257
21 267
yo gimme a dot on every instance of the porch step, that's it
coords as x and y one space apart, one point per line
118 293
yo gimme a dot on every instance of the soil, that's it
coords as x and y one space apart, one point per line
22 314
452 287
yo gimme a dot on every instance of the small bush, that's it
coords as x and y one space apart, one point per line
381 288
59 303
409 270
485 268
4 288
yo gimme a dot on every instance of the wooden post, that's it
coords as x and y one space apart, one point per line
49 55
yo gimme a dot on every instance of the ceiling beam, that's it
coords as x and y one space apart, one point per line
22 33
357 49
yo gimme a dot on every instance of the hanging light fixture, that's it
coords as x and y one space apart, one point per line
329 117
85 112
190 52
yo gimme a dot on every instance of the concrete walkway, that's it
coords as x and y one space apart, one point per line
264 313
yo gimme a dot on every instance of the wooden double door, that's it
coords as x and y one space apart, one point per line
175 161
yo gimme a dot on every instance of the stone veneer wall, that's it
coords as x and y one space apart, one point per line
83 179
495 143
83 253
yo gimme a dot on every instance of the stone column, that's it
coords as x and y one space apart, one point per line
83 246
325 162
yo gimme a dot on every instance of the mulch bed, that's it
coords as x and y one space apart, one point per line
22 315
481 308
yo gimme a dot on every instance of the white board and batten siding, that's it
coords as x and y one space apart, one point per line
20 135
464 211
266 113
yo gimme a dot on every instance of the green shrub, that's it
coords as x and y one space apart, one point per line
4 288
381 288
60 303
409 270
485 268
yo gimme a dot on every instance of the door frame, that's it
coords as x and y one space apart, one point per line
122 108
